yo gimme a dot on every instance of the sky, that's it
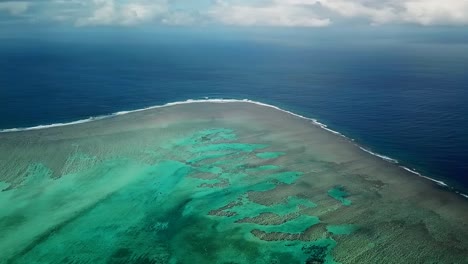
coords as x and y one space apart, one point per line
238 13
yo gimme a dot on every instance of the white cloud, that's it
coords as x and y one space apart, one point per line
436 12
305 12
422 12
111 12
275 14
14 8
179 19
361 9
285 13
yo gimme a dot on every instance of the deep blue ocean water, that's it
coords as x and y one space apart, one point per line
403 97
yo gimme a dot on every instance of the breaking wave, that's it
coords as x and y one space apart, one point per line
208 100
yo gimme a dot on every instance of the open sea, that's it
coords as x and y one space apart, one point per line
405 98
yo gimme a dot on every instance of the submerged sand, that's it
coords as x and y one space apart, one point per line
216 183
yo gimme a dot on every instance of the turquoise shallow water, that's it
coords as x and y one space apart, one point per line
215 183
155 213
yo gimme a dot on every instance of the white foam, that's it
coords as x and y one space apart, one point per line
48 126
441 183
208 100
189 101
379 155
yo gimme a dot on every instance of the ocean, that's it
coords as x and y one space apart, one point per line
400 96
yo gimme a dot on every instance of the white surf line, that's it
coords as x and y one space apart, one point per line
189 101
441 183
379 155
220 100
90 119
53 125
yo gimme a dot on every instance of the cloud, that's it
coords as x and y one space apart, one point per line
272 13
316 13
436 12
111 12
14 8
277 13
180 18
372 11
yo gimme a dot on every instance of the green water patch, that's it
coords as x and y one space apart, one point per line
131 209
36 174
234 248
57 203
339 193
270 155
4 186
310 252
139 212
167 175
341 229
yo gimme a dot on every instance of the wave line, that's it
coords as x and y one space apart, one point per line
220 100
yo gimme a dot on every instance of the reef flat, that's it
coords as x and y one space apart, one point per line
216 183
